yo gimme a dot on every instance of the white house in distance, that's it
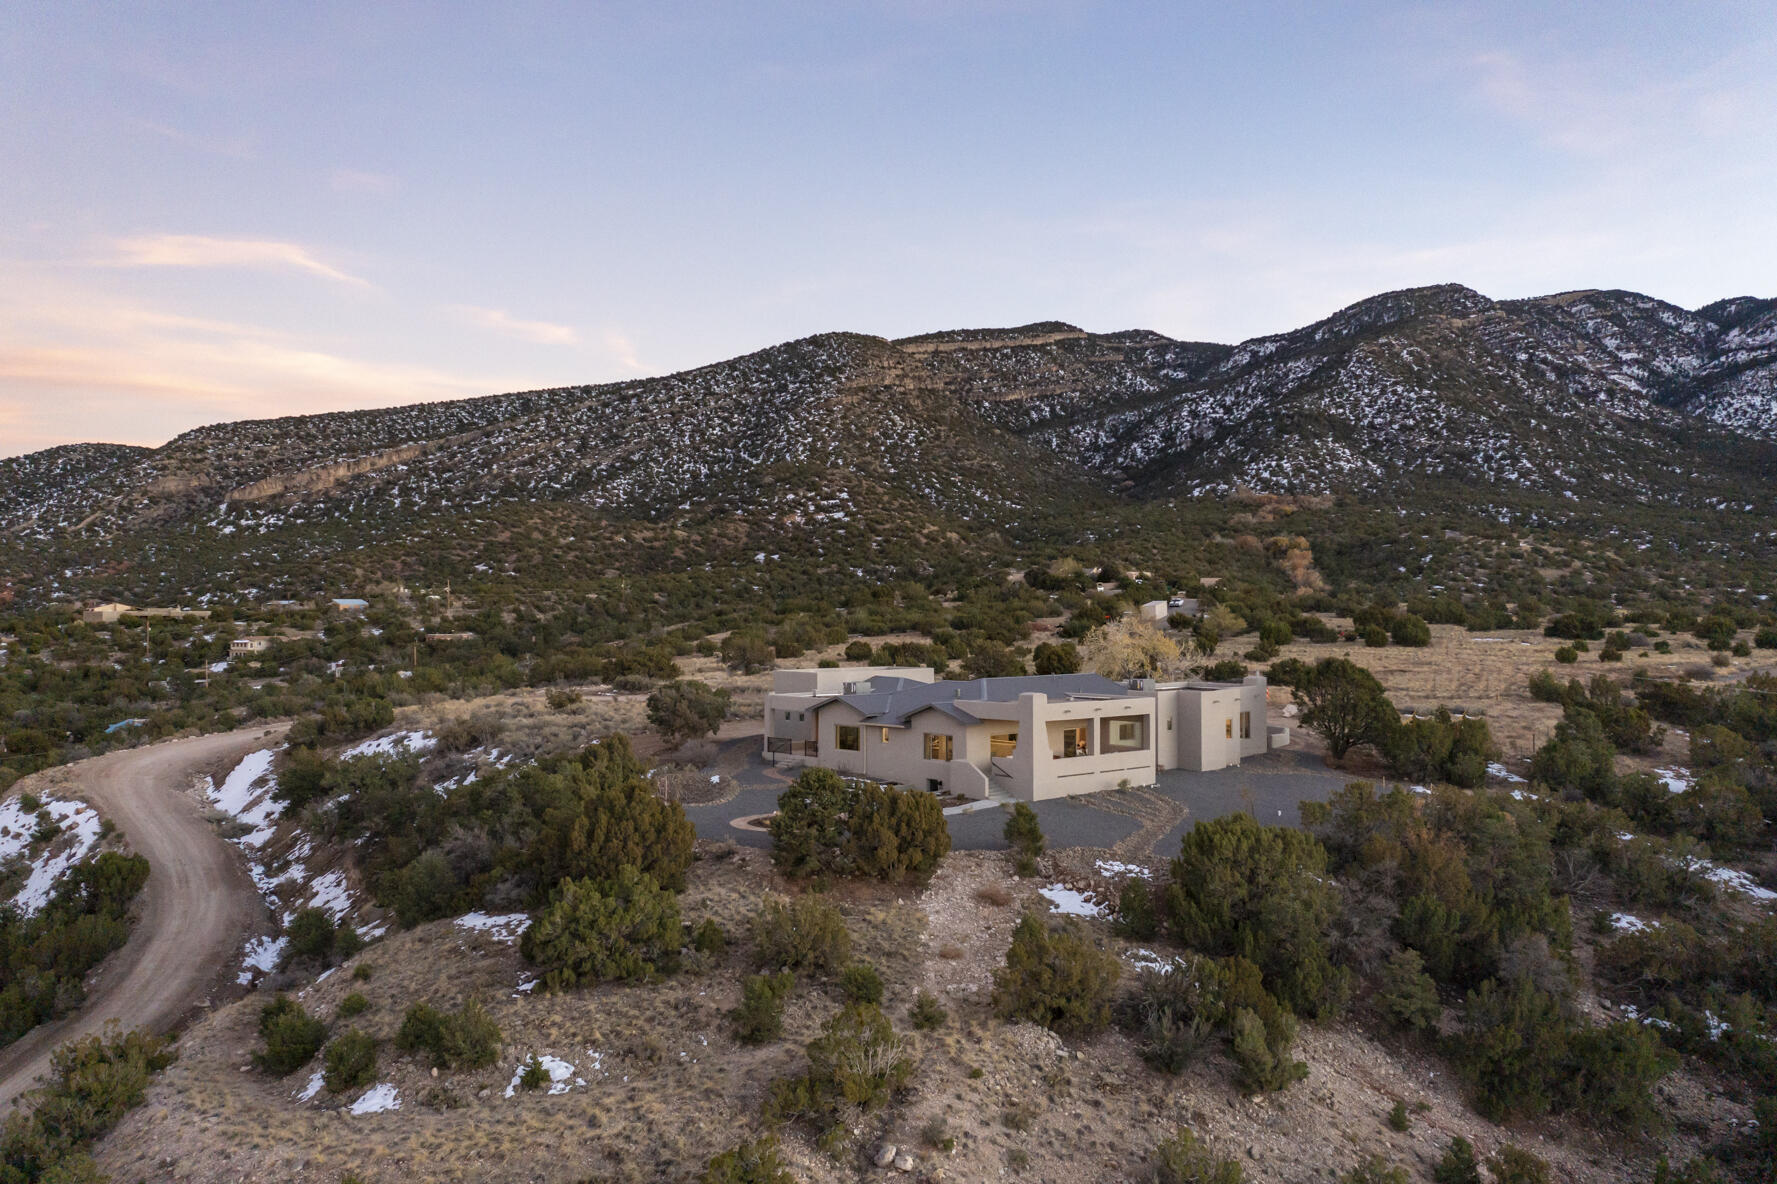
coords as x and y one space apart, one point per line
249 645
1033 737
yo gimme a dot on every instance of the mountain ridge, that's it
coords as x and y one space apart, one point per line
1571 407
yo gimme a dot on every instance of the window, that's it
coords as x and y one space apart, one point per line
1246 725
1004 745
847 737
1073 741
885 735
1169 725
933 785
1228 727
937 747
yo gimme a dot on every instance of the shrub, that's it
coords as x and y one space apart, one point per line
894 834
1174 1013
1260 893
686 709
859 1057
747 651
926 1013
1375 1170
1054 976
1407 994
803 933
1136 918
858 651
609 817
1514 1165
562 698
303 778
859 983
1459 1165
759 1017
1398 1118
1344 704
1409 630
353 1005
1439 749
752 1161
1567 655
464 1039
1064 658
311 934
625 929
1261 1051
1181 1159
827 825
93 1083
710 938
534 1076
292 1037
1024 834
350 1062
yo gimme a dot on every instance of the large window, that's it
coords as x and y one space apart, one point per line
1074 742
847 737
937 747
1228 728
1004 745
1246 725
1123 734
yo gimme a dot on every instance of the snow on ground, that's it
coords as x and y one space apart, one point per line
394 744
1148 960
1627 923
314 1085
330 893
1739 881
261 956
1065 900
377 1099
246 795
1500 773
503 927
1675 780
79 834
1112 867
561 1075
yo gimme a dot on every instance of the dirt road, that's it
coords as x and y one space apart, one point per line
195 912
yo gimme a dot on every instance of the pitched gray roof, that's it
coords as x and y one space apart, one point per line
891 702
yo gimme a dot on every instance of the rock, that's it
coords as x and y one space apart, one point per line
904 1162
434 1071
1252 1151
885 1155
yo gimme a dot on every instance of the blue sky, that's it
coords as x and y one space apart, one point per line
219 211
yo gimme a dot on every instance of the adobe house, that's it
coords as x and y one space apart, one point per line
249 645
1029 737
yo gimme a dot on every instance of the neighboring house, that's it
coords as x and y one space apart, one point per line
249 645
350 604
105 614
1153 610
450 637
1035 737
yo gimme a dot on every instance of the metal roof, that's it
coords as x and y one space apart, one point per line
891 702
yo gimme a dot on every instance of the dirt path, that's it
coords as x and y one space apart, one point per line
195 912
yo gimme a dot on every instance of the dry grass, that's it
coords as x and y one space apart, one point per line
994 894
1462 669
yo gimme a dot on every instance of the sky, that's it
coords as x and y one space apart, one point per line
212 212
